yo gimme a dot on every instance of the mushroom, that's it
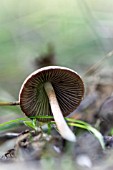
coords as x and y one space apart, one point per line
52 90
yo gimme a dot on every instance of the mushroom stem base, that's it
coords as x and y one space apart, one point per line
62 126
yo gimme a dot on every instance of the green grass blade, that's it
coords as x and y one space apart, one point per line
18 120
70 121
88 127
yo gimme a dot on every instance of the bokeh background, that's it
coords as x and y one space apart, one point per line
81 32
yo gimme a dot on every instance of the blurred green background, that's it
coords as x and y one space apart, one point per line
80 30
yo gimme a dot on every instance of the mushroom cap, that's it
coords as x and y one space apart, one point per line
68 87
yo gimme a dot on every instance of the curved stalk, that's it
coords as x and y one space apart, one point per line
9 103
62 126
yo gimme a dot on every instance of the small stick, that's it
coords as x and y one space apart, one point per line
9 103
95 66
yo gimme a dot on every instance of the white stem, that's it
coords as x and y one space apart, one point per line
62 126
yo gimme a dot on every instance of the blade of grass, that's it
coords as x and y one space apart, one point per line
70 121
88 127
13 121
